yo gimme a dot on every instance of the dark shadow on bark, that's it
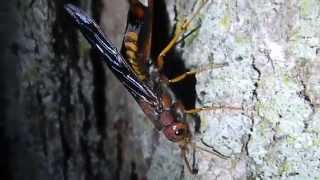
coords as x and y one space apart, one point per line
9 85
174 65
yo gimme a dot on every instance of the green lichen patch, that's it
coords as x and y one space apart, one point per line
309 8
225 22
279 133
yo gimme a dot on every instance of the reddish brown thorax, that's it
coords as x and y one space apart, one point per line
166 101
173 129
166 118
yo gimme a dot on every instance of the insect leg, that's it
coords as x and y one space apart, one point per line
180 29
195 71
184 156
213 151
214 108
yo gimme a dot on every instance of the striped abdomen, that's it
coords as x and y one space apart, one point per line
131 50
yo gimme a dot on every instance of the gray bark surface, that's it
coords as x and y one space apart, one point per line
272 48
65 116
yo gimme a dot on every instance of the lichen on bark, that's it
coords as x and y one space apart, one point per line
272 48
67 117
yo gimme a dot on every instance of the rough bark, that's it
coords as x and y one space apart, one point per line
64 115
54 100
272 48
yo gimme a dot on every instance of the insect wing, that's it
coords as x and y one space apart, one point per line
121 69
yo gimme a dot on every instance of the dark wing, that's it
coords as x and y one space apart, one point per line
121 69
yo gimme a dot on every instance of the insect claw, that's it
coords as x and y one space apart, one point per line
195 171
214 151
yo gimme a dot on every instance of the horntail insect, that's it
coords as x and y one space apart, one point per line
146 85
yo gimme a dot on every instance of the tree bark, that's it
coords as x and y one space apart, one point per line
272 48
65 116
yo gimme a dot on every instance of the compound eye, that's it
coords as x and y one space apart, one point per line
179 132
176 132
